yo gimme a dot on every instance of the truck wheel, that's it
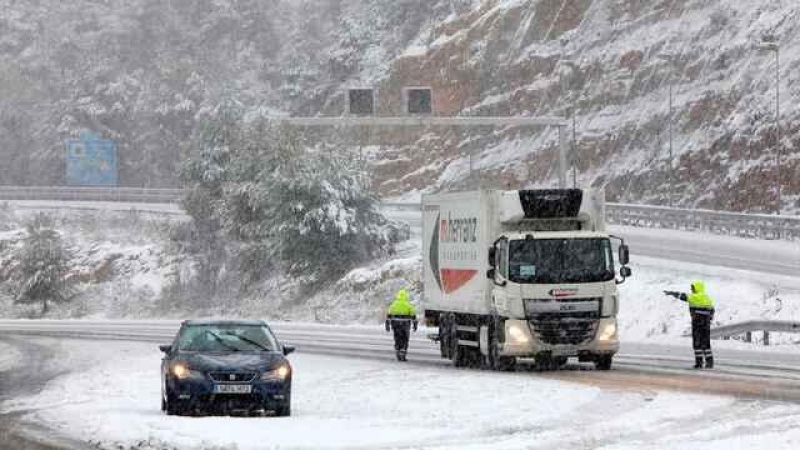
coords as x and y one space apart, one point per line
460 355
559 362
603 362
474 357
444 337
544 364
506 363
493 360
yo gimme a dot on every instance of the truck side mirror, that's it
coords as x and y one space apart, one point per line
624 255
490 273
492 254
625 271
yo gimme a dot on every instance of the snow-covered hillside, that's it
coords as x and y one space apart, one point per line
608 62
121 264
147 72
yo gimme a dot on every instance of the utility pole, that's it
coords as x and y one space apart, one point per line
574 153
671 158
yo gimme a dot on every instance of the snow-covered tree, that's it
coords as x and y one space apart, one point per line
285 205
43 262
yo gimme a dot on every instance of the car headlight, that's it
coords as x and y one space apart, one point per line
182 371
608 331
278 374
517 334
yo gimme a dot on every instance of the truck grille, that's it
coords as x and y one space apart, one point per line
564 331
573 324
235 377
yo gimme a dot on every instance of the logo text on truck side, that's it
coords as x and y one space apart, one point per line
453 246
458 230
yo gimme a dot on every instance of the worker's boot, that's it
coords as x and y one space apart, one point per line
709 362
698 362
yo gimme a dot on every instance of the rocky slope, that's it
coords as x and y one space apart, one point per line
612 64
146 73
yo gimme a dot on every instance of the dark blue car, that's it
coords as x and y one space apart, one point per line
226 367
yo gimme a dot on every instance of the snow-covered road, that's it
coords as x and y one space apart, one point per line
9 357
354 403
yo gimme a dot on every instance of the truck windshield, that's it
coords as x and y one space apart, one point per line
548 261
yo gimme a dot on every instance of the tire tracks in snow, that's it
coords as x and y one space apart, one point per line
29 376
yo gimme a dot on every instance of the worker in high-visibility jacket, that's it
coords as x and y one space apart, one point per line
701 307
400 317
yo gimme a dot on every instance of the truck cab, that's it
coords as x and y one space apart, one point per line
550 289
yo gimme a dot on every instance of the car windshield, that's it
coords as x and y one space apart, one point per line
547 261
226 338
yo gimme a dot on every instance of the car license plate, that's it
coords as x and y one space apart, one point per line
232 389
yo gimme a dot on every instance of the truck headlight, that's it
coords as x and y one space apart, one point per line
608 331
182 371
517 334
278 374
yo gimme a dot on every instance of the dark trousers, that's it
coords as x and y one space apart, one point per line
701 334
402 331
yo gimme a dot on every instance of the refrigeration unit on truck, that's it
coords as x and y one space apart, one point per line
521 274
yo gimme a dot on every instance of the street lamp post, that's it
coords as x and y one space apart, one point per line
778 125
571 112
670 59
772 46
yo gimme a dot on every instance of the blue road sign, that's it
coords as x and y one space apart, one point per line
91 162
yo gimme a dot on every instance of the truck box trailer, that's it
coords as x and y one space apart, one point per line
521 274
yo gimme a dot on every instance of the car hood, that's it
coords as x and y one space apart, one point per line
249 361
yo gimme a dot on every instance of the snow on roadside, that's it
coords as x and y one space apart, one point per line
647 315
9 357
113 402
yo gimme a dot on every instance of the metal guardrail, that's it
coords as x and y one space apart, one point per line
760 226
747 329
97 194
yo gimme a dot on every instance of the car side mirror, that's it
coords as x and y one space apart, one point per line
624 255
490 273
625 272
165 348
492 254
287 349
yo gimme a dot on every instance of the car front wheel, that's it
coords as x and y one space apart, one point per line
284 410
169 405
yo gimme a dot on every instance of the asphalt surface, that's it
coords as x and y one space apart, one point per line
769 257
32 373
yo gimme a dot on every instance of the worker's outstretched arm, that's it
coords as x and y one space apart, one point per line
679 295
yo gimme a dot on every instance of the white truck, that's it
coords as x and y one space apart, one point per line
521 274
